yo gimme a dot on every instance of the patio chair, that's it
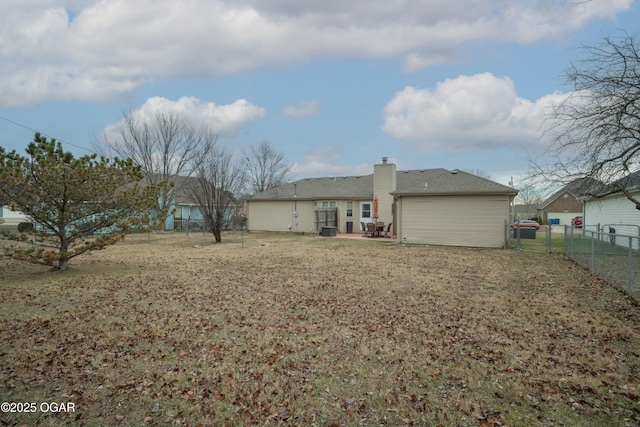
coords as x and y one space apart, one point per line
371 229
386 232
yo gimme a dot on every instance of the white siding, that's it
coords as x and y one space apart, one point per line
12 217
477 221
613 210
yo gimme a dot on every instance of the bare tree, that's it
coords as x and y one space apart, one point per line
217 180
530 198
596 129
478 172
265 168
166 146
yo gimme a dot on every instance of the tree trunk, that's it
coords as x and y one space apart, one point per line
219 222
63 261
63 264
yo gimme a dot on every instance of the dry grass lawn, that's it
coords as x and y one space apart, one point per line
301 330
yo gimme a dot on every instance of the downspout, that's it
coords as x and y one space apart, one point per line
294 220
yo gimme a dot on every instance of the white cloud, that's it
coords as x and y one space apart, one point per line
306 108
100 49
325 161
225 120
466 112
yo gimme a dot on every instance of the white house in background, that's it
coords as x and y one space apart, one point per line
9 217
611 208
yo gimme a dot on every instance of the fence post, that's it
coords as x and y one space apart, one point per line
630 267
549 239
571 241
593 254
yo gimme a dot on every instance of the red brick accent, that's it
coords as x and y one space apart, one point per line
566 202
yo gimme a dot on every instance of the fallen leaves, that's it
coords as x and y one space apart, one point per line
302 331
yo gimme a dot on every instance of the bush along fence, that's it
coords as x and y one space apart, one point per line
614 257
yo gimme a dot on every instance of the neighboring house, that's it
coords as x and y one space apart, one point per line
525 211
12 217
429 206
610 207
565 204
186 211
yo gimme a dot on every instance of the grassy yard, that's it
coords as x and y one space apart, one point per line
541 243
275 329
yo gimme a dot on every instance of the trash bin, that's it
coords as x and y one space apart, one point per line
525 233
349 227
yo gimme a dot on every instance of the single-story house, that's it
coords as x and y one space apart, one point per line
9 216
528 211
427 206
565 204
611 208
185 211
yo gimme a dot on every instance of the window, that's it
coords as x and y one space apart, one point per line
366 210
329 204
178 212
349 208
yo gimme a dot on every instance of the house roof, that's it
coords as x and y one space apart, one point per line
630 182
525 209
576 188
354 187
184 186
444 182
411 182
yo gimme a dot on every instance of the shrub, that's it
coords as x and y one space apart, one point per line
23 227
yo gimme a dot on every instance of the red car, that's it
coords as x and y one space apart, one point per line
577 222
526 223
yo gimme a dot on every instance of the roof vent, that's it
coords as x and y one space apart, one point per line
454 172
426 185
384 160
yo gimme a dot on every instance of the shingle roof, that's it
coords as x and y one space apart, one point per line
576 188
354 187
412 182
183 187
442 181
630 182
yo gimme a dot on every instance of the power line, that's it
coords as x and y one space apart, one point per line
48 136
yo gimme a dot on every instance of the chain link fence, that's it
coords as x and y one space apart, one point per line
530 239
614 257
187 226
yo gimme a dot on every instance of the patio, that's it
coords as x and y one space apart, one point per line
360 235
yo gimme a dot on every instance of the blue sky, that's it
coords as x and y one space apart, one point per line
334 85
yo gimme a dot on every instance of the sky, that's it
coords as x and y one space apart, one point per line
334 85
